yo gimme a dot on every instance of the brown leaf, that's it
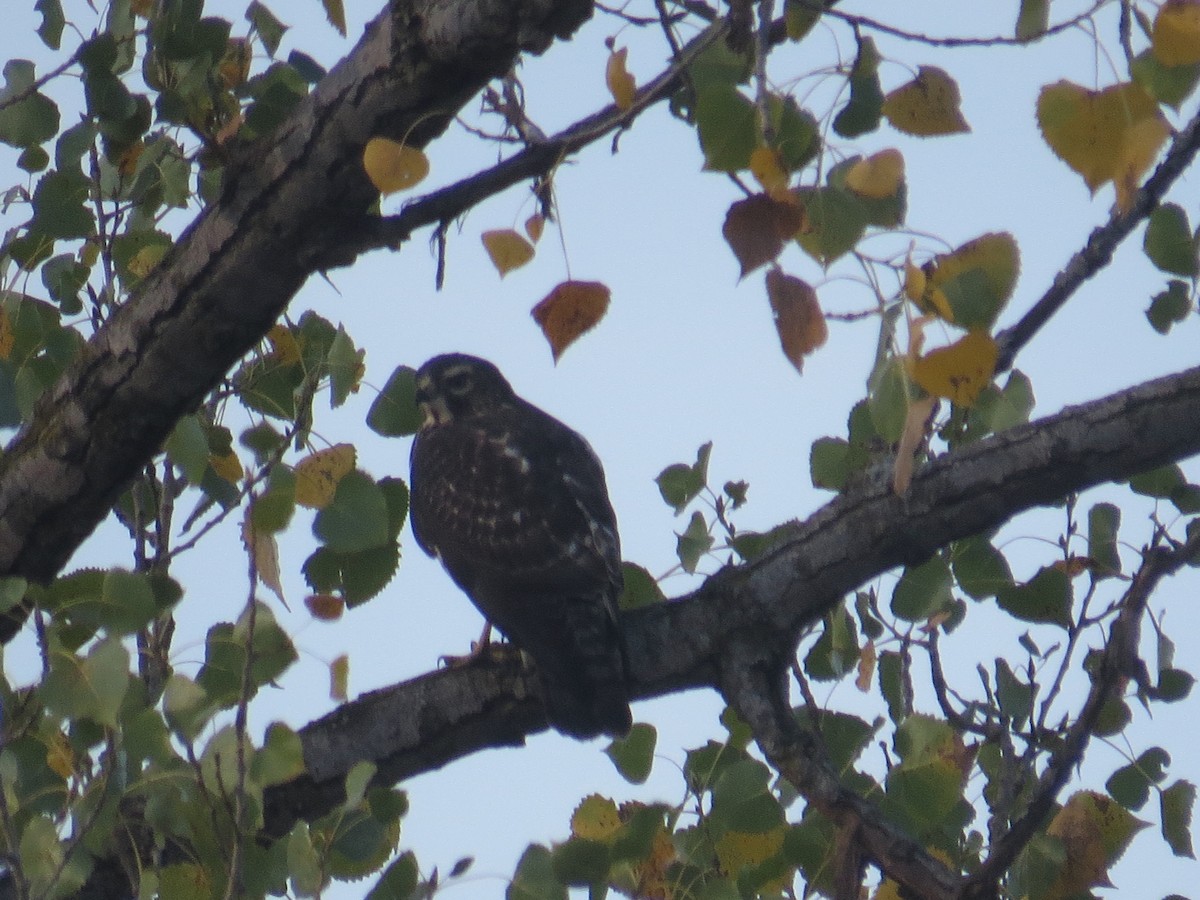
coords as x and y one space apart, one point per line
325 607
757 228
570 310
798 317
339 678
534 226
916 425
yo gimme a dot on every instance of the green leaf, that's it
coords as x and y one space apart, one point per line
394 413
981 569
187 706
836 651
1176 804
796 133
33 119
345 364
922 590
1046 597
1171 85
64 278
1015 696
136 253
535 878
727 125
641 588
399 880
272 510
187 448
357 519
891 683
862 114
33 160
59 209
281 757
1169 243
889 399
836 222
1170 307
1033 19
50 31
270 29
845 736
680 484
91 687
633 755
922 797
1160 482
1104 521
799 17
304 864
695 541
831 462
1174 685
581 862
1130 785
1114 716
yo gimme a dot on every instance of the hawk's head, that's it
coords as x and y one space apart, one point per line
456 386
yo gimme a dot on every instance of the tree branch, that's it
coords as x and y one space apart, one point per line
428 722
234 270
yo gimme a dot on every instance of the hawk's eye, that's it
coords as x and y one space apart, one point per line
458 383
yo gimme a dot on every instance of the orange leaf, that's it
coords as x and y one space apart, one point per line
318 474
1176 36
620 83
878 176
926 106
866 667
1109 135
507 249
958 372
570 310
798 317
325 607
392 166
534 226
757 228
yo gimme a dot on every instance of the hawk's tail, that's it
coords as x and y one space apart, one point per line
584 677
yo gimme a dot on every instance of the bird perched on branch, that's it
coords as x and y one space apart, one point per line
514 504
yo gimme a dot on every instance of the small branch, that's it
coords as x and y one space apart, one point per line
1101 244
1118 664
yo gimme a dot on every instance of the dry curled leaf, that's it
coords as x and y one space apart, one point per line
620 83
570 310
798 317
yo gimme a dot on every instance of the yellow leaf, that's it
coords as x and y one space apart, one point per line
740 850
318 474
534 226
914 281
60 758
1094 830
336 13
958 372
144 261
339 678
595 818
392 166
235 64
767 168
325 607
994 256
284 348
620 83
570 310
507 249
866 667
227 466
928 105
1176 35
798 317
878 176
1109 135
7 338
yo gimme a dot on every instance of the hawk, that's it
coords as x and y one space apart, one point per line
514 504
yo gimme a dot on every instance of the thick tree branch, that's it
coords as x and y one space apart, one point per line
425 723
234 270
